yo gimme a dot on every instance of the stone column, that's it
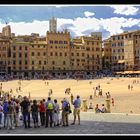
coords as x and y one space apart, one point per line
85 107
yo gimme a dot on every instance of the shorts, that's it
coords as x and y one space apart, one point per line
76 111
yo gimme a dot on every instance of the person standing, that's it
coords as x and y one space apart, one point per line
10 115
65 112
128 87
34 110
49 111
76 112
16 112
112 101
42 113
25 107
71 98
1 113
94 89
56 113
131 87
5 111
47 83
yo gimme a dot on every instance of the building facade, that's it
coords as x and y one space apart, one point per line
20 58
86 53
38 57
125 51
106 56
5 55
57 52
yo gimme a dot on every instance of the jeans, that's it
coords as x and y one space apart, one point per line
26 118
42 118
0 117
35 117
9 120
5 119
16 119
49 114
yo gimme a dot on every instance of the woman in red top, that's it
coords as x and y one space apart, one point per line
42 113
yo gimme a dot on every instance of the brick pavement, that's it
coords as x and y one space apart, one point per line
91 123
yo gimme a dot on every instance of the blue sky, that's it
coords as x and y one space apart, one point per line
79 20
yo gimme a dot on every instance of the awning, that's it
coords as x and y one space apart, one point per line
128 72
131 72
121 61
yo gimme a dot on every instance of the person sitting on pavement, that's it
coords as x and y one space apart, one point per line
90 105
103 109
97 110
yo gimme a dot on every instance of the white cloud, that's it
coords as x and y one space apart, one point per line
89 14
80 25
114 25
26 28
125 10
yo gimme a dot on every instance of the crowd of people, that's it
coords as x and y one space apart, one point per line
15 112
66 75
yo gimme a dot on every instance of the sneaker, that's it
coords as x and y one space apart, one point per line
64 125
73 124
67 125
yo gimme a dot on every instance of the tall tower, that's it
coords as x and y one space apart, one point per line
53 24
6 31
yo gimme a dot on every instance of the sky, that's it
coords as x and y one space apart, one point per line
79 20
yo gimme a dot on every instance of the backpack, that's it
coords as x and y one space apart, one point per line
34 108
67 107
10 109
5 108
50 106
